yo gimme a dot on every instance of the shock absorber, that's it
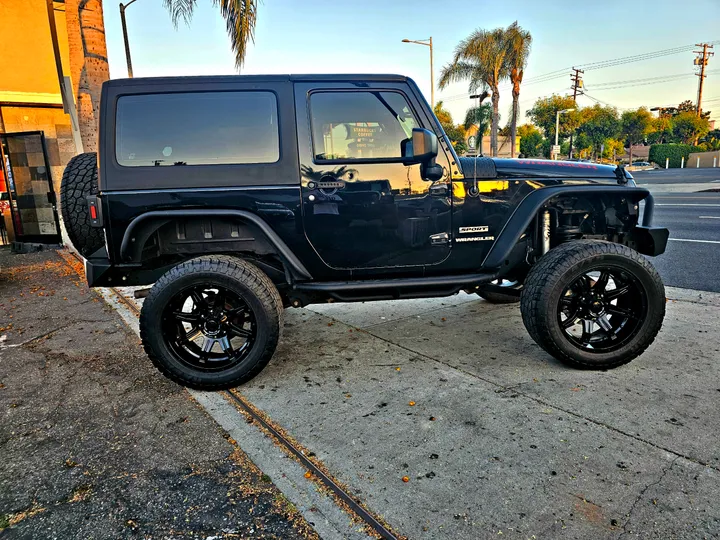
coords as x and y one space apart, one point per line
545 229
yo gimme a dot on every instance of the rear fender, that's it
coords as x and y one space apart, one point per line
145 225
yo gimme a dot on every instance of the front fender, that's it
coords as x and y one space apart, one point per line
528 208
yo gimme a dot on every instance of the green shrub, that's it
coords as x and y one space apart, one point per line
660 152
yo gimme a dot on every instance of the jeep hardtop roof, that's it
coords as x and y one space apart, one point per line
357 77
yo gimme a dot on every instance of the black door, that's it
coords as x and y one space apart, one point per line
362 207
30 188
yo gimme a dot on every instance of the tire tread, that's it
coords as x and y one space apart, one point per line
545 274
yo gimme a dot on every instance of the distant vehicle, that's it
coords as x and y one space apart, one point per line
240 196
643 166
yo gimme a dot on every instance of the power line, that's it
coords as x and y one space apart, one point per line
651 81
613 62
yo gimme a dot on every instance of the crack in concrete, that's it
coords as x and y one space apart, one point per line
642 493
505 388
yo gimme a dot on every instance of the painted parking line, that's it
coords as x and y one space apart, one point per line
697 241
709 217
686 204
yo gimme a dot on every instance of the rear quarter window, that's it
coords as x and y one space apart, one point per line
198 128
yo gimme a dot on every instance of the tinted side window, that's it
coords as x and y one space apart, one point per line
360 125
202 128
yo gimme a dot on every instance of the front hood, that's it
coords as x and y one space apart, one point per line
491 168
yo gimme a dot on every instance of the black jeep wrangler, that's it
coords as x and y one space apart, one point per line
239 196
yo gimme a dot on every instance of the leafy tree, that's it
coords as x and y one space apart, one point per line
456 133
543 115
712 140
687 127
598 124
518 43
613 148
662 130
480 59
685 106
531 140
583 146
635 126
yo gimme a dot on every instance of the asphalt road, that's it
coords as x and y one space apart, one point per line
692 258
678 176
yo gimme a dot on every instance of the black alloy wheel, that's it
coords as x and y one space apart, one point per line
212 322
209 329
602 309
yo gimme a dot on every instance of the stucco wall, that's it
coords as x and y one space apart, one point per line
707 159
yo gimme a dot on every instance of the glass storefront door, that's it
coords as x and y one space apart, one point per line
29 187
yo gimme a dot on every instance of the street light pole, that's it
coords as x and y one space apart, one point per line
428 43
123 7
557 126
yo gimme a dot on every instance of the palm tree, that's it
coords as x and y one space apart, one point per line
239 15
88 64
88 51
480 59
518 43
480 117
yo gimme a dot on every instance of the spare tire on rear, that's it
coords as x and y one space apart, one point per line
80 180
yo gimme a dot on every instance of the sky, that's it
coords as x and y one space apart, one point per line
324 36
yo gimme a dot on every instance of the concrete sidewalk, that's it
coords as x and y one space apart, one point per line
497 437
94 443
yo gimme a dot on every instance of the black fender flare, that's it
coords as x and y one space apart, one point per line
528 208
144 225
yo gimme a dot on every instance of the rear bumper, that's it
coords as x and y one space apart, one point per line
100 272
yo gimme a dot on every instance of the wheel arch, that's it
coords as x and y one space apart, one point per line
524 214
142 228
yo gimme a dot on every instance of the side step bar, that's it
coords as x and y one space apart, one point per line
388 289
407 283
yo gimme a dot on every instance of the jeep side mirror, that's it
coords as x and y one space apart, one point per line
422 148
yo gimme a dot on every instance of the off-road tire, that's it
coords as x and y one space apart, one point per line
244 278
552 273
495 297
79 180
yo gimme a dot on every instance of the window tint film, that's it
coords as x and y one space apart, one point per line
203 128
360 125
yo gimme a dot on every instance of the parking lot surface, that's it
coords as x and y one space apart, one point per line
447 421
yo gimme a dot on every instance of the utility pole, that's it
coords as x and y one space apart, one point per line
701 60
577 84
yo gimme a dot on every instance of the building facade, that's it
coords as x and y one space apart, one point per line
36 133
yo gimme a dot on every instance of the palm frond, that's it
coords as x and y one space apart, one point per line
479 116
240 17
455 72
518 42
180 10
